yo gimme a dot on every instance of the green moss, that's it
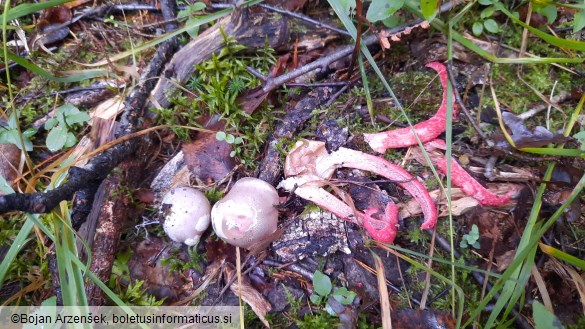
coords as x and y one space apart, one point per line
214 90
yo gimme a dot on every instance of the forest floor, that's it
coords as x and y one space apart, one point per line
430 177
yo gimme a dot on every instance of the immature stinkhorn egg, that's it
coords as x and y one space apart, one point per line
247 214
187 214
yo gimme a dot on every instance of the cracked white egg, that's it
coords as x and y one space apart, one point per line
187 214
247 214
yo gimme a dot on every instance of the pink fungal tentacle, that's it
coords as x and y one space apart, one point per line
461 178
358 160
383 230
426 130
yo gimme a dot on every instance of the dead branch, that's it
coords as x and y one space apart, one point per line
249 29
86 180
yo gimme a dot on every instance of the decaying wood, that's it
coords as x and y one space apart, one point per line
270 169
247 28
111 215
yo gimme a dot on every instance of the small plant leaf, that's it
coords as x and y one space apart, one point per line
30 132
71 140
487 12
475 230
477 28
491 25
230 139
76 118
344 296
10 136
550 12
57 138
486 2
429 8
382 9
315 299
321 283
463 244
579 21
220 136
580 137
239 140
543 318
347 6
67 109
44 312
232 154
50 123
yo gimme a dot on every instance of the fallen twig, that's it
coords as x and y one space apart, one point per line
85 180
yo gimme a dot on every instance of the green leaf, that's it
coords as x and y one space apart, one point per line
543 318
463 243
51 312
347 6
487 12
550 12
315 299
230 139
555 41
491 25
321 283
580 137
393 21
67 109
57 138
477 28
239 140
382 9
11 136
71 140
68 76
486 2
476 245
232 154
344 296
80 117
429 9
30 132
561 255
50 123
220 136
579 21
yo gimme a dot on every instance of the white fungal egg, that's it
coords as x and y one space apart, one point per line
247 214
187 214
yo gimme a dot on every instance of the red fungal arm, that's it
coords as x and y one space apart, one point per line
383 230
461 178
426 130
309 187
355 159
